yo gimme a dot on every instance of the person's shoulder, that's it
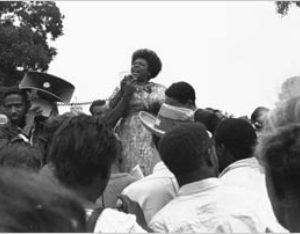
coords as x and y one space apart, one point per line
114 221
121 179
150 183
161 219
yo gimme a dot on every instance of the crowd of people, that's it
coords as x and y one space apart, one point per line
147 159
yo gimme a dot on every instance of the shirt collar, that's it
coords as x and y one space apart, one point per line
160 166
200 186
251 162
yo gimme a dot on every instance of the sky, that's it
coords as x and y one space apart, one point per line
236 54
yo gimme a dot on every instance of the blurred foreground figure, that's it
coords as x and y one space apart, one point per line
32 203
80 157
279 152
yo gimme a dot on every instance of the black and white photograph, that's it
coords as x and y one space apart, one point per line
150 116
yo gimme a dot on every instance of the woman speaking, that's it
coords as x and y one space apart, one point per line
148 96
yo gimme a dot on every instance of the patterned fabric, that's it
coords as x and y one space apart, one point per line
208 206
135 138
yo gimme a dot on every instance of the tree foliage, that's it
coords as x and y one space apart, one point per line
284 6
26 29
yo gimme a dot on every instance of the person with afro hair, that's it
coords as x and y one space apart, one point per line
147 96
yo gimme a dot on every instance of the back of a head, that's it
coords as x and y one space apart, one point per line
257 113
208 118
99 102
32 203
279 153
290 88
285 113
21 155
184 148
259 116
238 136
82 149
181 91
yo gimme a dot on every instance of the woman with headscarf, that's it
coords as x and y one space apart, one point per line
148 96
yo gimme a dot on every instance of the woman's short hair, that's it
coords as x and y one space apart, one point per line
279 153
33 203
152 59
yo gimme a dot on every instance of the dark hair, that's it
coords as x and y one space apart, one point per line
99 102
218 112
184 148
82 149
49 128
257 112
33 203
279 153
208 118
18 91
21 154
238 136
182 92
154 62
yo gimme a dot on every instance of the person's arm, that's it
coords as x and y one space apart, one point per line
118 93
131 207
113 115
115 99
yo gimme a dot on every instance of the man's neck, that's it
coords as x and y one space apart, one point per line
194 177
115 168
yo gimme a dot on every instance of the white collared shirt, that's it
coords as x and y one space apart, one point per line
114 221
153 191
248 174
207 206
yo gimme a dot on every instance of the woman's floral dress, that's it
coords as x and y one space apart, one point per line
136 139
